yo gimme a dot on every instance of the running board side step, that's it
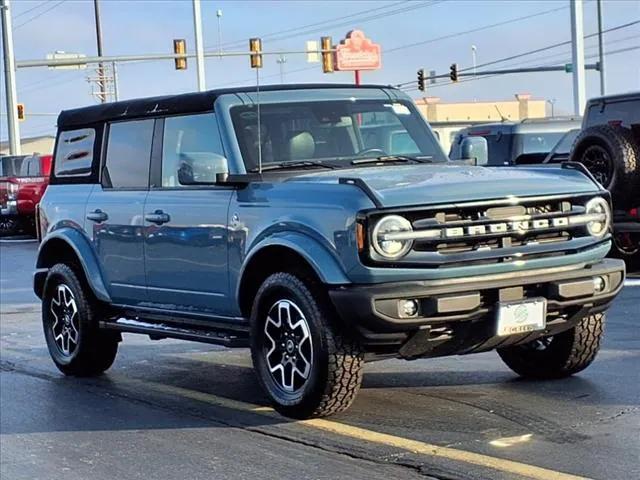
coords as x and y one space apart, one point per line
161 330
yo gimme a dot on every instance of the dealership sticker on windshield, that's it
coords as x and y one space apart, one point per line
521 317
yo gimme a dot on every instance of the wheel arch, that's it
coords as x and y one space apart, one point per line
69 246
293 253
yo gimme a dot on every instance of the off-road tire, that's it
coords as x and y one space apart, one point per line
338 360
96 349
623 155
566 353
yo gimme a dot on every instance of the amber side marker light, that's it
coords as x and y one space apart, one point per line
360 236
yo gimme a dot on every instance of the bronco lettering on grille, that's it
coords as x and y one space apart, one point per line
516 226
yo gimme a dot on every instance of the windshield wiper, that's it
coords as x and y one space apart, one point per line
392 159
294 165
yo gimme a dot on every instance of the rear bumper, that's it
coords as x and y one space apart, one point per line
9 209
458 315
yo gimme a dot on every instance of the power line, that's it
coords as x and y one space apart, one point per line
289 30
537 50
550 47
342 21
31 9
484 77
474 30
39 14
433 40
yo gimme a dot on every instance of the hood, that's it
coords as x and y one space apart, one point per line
397 186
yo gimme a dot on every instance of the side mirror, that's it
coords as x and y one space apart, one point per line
201 168
474 149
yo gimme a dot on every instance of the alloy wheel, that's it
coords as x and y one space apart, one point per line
65 327
597 160
288 346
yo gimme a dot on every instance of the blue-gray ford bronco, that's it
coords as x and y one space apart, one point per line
320 225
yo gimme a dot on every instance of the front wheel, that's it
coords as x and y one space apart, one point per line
306 364
69 317
560 355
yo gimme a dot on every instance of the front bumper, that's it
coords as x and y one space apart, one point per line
458 315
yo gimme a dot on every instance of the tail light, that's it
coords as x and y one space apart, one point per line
12 191
634 212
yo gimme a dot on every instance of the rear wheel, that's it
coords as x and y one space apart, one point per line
560 355
612 156
307 365
69 317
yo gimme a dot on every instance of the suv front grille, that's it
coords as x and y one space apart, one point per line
492 232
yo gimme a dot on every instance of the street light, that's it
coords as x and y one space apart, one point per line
473 57
552 102
219 15
281 61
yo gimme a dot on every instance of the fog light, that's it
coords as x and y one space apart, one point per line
408 308
599 284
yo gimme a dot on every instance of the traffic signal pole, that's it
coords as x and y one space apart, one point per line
197 27
577 56
10 79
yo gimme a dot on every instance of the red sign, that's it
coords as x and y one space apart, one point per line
357 52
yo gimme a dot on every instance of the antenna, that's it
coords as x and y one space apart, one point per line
259 122
255 48
502 117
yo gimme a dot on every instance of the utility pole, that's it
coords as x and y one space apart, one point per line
197 27
577 51
10 79
603 85
103 91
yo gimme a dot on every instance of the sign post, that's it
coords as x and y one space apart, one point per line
356 53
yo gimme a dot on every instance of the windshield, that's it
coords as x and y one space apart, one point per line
336 132
538 142
10 166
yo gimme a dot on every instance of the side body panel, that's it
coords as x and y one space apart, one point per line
119 241
186 258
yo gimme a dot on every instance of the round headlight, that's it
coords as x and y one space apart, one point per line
385 228
598 207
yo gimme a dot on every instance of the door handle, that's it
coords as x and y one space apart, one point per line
97 216
158 217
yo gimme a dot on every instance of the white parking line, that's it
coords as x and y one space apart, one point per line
632 282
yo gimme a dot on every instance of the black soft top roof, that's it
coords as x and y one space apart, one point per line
174 104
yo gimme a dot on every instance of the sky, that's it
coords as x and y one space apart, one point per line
429 34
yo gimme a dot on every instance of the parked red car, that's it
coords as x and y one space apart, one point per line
23 181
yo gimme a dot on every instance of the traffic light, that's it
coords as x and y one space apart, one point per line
20 107
453 74
255 47
327 54
180 48
421 85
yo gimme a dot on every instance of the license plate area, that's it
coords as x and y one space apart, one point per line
521 317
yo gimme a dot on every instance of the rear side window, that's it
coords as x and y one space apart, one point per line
74 153
128 154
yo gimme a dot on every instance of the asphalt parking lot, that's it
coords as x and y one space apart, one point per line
173 409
